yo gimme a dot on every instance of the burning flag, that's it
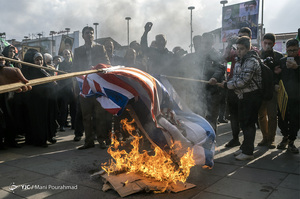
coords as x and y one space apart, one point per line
164 118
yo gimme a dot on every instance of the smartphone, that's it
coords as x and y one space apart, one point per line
290 58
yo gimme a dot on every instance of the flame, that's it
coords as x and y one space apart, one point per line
159 166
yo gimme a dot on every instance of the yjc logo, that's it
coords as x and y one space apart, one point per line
12 187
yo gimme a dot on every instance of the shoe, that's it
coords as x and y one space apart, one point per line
271 145
222 120
86 146
243 156
292 148
102 145
233 143
264 142
52 140
77 138
238 152
283 143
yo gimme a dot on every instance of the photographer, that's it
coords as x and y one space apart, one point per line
267 115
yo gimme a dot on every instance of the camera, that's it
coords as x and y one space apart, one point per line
269 61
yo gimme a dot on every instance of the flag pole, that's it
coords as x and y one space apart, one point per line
32 65
44 80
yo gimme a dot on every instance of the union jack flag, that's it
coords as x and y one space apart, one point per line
116 86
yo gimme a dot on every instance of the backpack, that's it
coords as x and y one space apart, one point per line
267 88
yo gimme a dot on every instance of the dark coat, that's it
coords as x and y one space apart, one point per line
81 60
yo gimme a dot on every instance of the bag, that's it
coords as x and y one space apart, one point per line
267 88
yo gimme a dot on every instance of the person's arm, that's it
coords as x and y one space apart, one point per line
245 75
144 40
10 75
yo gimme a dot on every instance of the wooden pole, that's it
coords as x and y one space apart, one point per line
33 65
34 82
189 79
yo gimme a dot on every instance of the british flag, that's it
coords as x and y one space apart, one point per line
116 86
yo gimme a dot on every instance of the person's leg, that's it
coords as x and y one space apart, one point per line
102 123
232 102
272 120
248 107
263 123
87 113
293 108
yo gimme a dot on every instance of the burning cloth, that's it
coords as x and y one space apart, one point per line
164 117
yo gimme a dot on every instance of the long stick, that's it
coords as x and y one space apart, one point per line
33 65
189 79
34 82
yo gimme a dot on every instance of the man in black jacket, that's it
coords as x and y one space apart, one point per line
290 76
267 115
95 119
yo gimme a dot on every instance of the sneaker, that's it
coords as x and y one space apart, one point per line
77 138
243 156
238 152
271 145
264 142
233 143
292 148
283 143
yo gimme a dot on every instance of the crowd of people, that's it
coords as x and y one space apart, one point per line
42 111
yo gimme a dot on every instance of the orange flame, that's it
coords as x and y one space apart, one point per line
159 166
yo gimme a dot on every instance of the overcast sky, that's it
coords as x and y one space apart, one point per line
20 18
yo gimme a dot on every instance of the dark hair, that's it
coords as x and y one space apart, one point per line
292 42
246 30
68 41
270 36
244 40
87 28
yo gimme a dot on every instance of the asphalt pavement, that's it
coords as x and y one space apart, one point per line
62 171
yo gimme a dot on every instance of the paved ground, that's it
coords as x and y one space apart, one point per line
272 174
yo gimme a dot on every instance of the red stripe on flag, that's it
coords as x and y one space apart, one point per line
97 86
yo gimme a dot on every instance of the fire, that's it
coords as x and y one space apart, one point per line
158 166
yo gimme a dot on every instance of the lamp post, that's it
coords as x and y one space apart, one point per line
52 33
25 39
96 24
39 34
262 21
223 3
191 8
128 18
68 30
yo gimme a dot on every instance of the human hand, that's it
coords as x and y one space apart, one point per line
277 70
291 64
10 75
212 81
148 26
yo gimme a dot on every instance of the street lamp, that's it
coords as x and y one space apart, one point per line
128 18
262 22
191 8
68 30
223 3
96 24
52 33
39 34
25 39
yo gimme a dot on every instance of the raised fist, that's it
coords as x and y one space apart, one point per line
148 26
